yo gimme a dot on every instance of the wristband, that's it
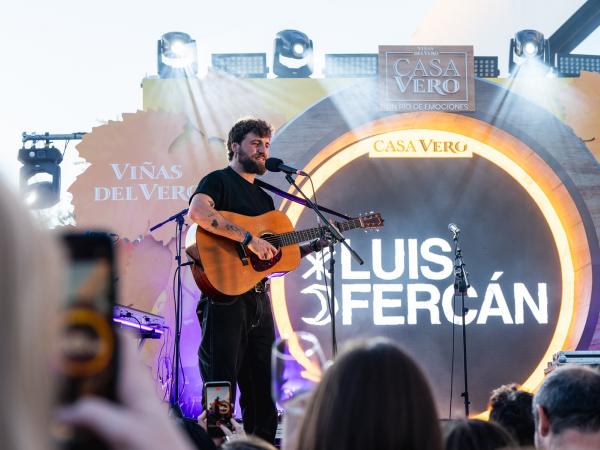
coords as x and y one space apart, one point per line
247 238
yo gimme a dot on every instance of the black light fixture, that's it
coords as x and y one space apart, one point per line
176 55
40 175
486 66
245 65
570 65
351 65
528 45
293 55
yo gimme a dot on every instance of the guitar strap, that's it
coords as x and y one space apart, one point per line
293 198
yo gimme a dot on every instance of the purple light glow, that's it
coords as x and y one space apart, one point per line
137 326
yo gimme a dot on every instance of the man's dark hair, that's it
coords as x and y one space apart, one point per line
475 434
244 126
511 408
570 397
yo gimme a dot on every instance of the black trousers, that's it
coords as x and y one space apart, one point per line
237 335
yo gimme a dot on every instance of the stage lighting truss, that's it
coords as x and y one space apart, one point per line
486 66
245 65
177 55
568 65
40 175
351 65
528 45
293 55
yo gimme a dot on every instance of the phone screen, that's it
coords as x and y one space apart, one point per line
218 399
87 351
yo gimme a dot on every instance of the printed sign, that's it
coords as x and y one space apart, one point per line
426 78
405 289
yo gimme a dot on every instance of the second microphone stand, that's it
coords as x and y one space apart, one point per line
179 220
337 236
461 285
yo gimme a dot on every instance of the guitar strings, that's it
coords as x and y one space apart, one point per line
291 238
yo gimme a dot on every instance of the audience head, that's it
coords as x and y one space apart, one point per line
566 409
511 408
474 434
373 397
30 289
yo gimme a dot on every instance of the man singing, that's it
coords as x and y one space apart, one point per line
237 334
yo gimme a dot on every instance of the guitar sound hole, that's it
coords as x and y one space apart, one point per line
262 265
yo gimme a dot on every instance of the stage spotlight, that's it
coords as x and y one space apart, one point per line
486 66
40 176
176 55
351 65
245 65
293 56
570 65
528 45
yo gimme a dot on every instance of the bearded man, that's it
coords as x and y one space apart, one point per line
238 332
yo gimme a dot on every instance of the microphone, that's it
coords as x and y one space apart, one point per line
277 165
453 228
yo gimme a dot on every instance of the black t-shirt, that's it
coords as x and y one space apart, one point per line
231 192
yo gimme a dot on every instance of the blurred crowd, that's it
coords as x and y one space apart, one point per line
375 396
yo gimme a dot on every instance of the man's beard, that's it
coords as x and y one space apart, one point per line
251 165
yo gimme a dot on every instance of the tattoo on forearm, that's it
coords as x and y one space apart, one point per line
214 223
231 227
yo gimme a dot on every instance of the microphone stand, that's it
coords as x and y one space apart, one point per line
337 236
461 285
179 221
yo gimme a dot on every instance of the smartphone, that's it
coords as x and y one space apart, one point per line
219 408
86 363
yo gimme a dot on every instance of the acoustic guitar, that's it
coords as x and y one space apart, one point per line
222 267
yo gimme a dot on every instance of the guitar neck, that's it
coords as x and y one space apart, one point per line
295 237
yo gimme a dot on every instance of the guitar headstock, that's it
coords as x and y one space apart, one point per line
370 220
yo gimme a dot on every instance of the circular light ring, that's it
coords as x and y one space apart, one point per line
522 164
